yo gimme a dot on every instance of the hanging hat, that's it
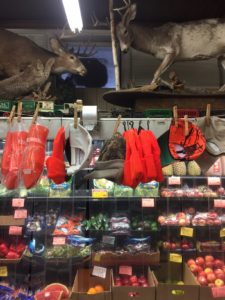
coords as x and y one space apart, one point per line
165 155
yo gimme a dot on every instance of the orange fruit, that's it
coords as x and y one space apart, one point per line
91 291
99 288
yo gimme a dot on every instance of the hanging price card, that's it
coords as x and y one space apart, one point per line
177 258
220 203
214 181
125 270
110 240
99 193
174 180
17 202
218 292
20 214
15 230
3 271
222 232
99 272
148 202
59 241
186 231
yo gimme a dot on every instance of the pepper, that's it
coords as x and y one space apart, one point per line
12 255
3 249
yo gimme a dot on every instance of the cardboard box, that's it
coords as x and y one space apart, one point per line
9 220
84 280
170 291
128 292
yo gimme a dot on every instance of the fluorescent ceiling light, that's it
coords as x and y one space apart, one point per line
73 14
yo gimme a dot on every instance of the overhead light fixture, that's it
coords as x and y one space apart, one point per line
73 14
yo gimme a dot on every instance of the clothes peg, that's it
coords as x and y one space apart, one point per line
19 111
186 130
175 116
35 116
208 114
75 118
117 124
12 113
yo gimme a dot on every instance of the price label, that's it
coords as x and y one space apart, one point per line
110 240
147 202
220 203
214 181
174 180
3 271
177 258
99 193
97 257
125 270
186 231
222 232
17 202
218 292
15 230
20 214
99 272
59 241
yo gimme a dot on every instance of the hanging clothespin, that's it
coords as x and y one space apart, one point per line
12 113
19 111
175 115
117 124
80 110
186 130
75 118
208 114
35 116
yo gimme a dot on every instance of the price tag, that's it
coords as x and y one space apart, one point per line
3 271
110 240
218 292
97 257
20 214
174 180
99 272
125 270
99 193
147 202
177 258
15 230
186 231
220 203
59 241
222 232
17 202
214 181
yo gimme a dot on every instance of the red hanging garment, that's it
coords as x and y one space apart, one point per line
55 163
6 156
34 155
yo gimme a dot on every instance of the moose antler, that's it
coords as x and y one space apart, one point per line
42 95
119 9
66 34
97 23
87 51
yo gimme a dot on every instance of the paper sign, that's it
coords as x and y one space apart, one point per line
106 239
99 272
97 257
125 270
20 214
186 231
222 232
218 292
15 230
220 203
17 202
177 258
148 202
214 181
58 240
99 193
3 271
174 180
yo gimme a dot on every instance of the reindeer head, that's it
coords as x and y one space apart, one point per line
122 30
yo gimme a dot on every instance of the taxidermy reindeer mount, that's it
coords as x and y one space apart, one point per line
171 42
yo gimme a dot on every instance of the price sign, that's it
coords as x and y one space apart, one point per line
174 180
99 272
220 203
15 230
99 193
17 202
3 271
20 214
125 270
214 181
147 202
97 257
186 231
177 258
59 241
222 232
218 292
110 240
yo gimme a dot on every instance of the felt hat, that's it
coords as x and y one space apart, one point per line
165 155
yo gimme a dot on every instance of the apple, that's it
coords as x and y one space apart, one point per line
209 264
211 284
133 279
212 215
180 215
202 273
208 270
191 262
182 222
219 274
194 268
211 277
118 283
210 222
202 222
202 280
144 284
209 258
173 246
125 281
219 282
161 220
200 269
200 261
135 284
166 245
142 279
218 263
184 246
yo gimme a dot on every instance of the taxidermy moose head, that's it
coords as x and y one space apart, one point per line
194 40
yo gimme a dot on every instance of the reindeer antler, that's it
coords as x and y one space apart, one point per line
119 9
68 35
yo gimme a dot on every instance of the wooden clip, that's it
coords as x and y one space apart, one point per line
208 114
186 130
12 113
19 111
117 124
80 110
75 118
35 116
175 115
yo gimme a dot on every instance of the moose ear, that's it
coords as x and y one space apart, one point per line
130 14
56 47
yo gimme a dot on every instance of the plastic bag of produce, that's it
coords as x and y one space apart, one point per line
150 189
104 184
60 190
122 191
